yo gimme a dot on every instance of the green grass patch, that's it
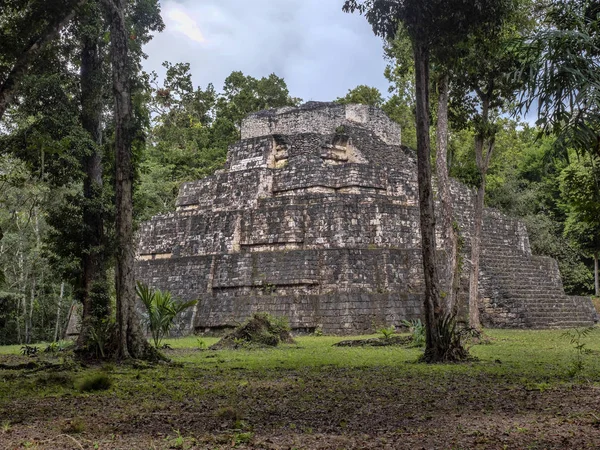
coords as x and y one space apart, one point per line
93 382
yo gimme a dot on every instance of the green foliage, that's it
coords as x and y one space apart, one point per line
452 338
100 336
387 332
93 382
364 95
524 181
53 347
417 330
580 191
561 70
192 129
29 350
161 310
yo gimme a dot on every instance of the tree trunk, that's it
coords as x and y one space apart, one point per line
433 351
60 299
29 315
474 319
130 340
484 137
449 272
8 88
596 276
94 287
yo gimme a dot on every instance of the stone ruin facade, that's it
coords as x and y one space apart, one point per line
315 217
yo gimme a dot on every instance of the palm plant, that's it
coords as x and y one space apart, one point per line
162 310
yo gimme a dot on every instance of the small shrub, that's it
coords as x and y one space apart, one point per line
29 350
452 339
387 332
201 344
56 347
162 309
94 382
99 336
417 330
576 337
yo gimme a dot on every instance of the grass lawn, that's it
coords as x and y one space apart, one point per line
525 390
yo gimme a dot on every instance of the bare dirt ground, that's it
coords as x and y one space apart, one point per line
329 408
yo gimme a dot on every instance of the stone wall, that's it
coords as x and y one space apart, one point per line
328 288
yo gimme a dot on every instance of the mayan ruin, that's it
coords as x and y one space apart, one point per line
315 217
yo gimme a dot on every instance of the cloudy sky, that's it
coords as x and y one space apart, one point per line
320 51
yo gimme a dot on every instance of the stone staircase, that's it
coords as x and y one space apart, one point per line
524 291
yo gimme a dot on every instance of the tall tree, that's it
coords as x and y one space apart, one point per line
94 290
431 26
481 74
129 337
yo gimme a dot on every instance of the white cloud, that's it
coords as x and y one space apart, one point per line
319 51
180 21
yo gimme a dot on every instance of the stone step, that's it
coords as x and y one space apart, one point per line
523 279
529 289
530 294
512 271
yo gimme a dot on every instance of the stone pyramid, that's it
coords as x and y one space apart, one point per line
315 217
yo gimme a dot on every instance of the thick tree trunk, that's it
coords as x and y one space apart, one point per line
433 351
449 272
8 88
94 288
130 341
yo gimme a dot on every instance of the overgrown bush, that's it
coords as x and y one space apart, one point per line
261 330
161 310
